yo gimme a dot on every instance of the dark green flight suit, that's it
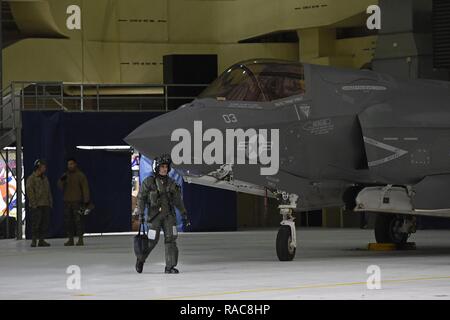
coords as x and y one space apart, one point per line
161 195
40 202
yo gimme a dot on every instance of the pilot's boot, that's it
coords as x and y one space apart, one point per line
69 243
139 266
171 270
33 243
43 243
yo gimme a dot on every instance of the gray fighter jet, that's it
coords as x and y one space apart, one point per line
351 138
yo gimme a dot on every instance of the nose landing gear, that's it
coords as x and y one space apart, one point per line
286 238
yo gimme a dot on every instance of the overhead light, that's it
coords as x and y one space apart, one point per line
104 147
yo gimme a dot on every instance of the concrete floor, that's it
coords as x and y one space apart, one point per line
330 264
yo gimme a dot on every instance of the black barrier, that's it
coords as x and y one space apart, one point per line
235 309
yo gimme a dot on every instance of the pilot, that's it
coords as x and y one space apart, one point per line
161 195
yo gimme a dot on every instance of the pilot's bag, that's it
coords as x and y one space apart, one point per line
141 243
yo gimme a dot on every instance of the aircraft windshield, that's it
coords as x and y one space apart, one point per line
265 81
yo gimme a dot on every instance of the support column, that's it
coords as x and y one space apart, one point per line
318 46
19 204
7 169
1 52
315 43
18 121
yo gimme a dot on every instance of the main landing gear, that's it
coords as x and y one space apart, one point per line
394 228
286 237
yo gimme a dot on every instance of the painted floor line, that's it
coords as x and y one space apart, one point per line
315 286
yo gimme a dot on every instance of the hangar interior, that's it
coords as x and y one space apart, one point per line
139 56
79 75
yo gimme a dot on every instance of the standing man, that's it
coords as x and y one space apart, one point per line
40 202
75 188
161 195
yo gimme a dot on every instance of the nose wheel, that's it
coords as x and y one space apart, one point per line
286 244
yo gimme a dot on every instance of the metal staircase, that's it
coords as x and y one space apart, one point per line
8 125
10 135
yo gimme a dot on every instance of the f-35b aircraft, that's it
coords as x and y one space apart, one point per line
351 138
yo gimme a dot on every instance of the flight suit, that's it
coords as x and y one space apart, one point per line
76 194
161 195
40 202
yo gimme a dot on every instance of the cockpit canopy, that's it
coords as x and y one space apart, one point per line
258 80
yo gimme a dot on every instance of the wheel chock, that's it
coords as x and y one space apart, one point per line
391 246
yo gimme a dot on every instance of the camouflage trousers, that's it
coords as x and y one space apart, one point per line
73 221
40 218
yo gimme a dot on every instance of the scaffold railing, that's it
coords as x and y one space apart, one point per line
102 97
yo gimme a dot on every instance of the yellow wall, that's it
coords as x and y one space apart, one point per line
233 20
104 62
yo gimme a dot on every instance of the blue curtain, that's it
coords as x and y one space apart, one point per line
109 178
210 209
43 138
55 136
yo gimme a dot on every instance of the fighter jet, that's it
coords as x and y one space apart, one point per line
342 138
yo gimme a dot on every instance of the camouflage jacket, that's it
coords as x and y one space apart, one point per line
75 187
38 191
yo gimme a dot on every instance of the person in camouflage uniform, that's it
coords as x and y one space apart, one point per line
161 195
40 203
75 188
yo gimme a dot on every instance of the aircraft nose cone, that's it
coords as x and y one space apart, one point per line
153 137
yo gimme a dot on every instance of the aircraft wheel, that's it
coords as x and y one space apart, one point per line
387 228
285 251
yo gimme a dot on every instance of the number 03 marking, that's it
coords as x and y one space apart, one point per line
230 118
